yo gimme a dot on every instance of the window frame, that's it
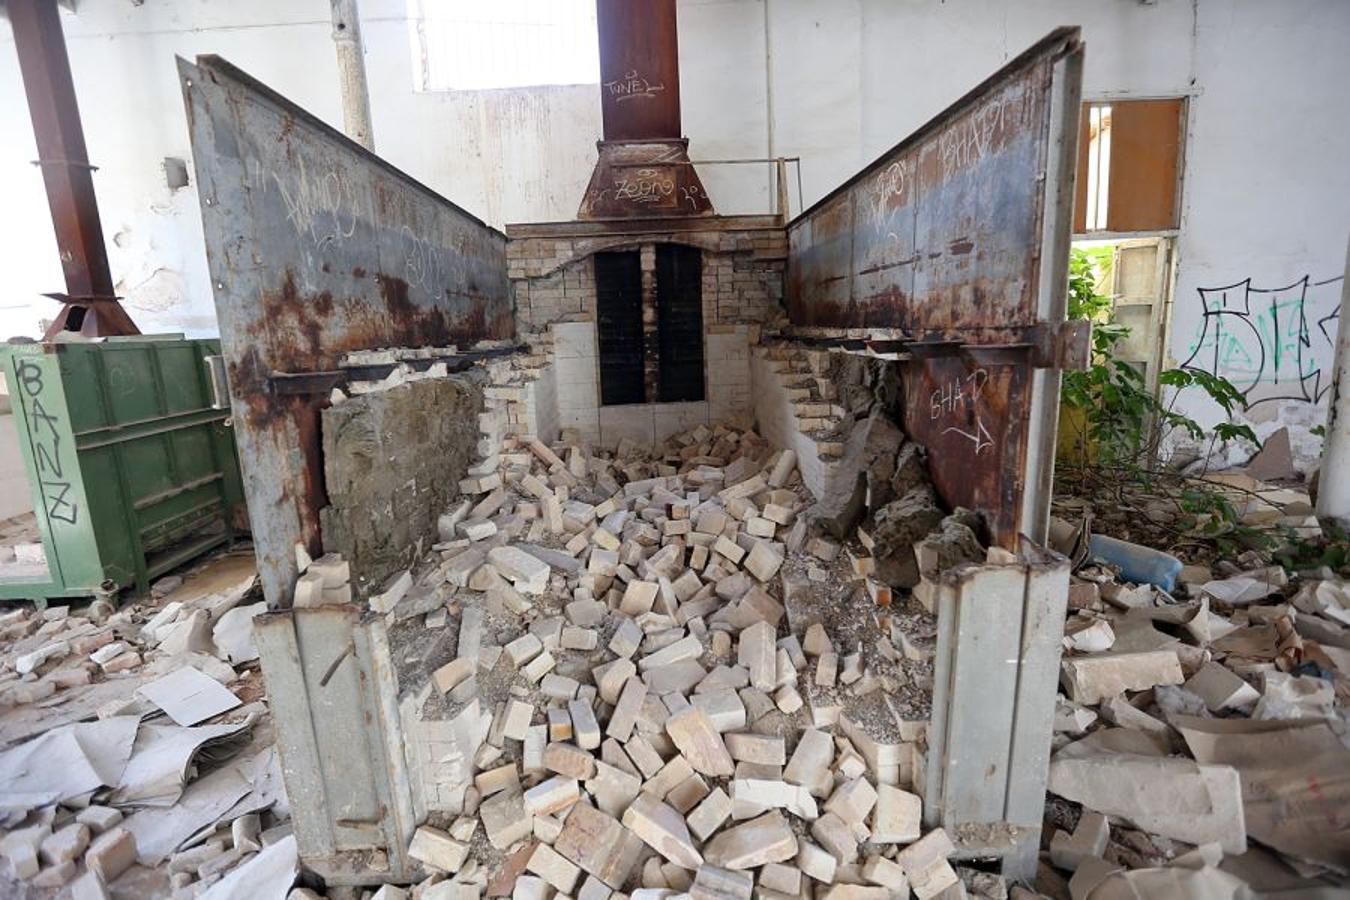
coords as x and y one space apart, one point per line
584 54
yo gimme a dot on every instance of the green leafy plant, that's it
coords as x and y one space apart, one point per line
1110 396
1119 420
1113 427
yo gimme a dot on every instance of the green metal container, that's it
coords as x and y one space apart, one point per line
130 460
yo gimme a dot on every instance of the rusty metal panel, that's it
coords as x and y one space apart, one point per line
317 247
644 179
968 419
643 167
639 69
942 232
949 247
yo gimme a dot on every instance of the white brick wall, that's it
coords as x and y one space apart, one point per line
776 423
649 423
553 278
727 362
577 373
578 378
542 418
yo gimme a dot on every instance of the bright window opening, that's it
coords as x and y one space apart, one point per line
1129 166
1098 166
483 44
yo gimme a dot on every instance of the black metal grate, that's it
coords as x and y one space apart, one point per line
679 303
618 300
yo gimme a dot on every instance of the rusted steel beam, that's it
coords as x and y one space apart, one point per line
91 306
1046 345
950 249
324 381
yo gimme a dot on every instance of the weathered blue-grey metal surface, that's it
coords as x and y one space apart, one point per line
943 231
994 676
317 247
959 236
332 687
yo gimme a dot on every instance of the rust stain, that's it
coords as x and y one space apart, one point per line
909 218
882 267
972 421
310 331
287 421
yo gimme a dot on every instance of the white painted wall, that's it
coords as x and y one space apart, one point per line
504 155
1265 178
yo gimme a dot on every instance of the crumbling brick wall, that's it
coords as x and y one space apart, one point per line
552 272
392 463
553 277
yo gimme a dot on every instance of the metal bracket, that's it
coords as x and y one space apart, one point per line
1061 345
1065 345
220 384
323 381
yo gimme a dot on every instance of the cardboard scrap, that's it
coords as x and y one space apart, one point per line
188 696
1192 876
160 831
67 762
163 756
267 876
1295 778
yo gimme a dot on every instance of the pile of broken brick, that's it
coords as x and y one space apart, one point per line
677 687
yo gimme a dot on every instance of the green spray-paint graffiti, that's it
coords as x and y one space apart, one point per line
1271 343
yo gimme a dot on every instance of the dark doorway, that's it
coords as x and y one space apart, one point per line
679 304
618 301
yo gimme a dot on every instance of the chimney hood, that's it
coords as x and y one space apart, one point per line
643 170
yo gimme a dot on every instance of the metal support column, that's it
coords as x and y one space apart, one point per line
351 57
1333 493
90 305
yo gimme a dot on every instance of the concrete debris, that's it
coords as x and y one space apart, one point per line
661 645
186 649
1089 839
1173 797
900 525
1098 677
1245 659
